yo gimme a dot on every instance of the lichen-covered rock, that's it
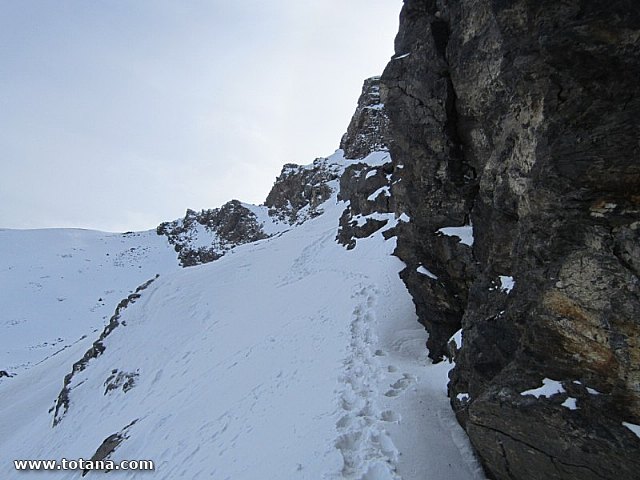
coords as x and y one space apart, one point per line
521 118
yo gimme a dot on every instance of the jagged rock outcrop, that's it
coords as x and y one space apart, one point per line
435 185
299 190
366 188
106 448
519 120
368 130
206 236
97 348
124 380
296 195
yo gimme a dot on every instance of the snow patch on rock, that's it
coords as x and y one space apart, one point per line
464 233
548 389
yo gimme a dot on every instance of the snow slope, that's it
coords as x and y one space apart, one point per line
290 357
59 285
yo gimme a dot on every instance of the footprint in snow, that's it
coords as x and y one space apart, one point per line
401 385
390 416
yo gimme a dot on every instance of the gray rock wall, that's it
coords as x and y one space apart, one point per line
521 118
368 130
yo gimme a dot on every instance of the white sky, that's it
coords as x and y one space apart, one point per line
117 115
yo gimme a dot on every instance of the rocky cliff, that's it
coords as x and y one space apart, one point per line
507 141
299 190
202 237
514 134
368 130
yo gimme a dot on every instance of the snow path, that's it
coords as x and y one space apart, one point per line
366 448
287 358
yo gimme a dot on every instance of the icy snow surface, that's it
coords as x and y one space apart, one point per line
463 397
382 190
591 391
288 358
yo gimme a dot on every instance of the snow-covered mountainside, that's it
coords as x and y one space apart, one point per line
504 180
60 286
289 357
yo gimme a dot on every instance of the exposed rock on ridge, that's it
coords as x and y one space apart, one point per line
521 118
366 188
62 402
206 236
368 130
297 193
299 190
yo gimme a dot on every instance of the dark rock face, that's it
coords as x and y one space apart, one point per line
299 190
124 380
435 185
222 228
366 188
368 191
106 448
521 119
368 130
202 237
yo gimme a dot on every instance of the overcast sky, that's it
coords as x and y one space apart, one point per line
119 114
